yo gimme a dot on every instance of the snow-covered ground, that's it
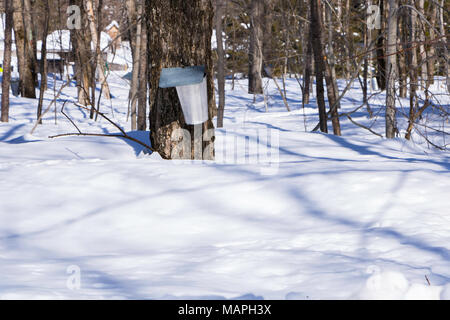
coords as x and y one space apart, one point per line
319 217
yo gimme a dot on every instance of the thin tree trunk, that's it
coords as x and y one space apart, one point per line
220 6
136 62
330 78
255 52
319 63
381 53
308 65
142 95
267 33
391 49
401 43
431 55
286 48
6 82
348 35
412 61
84 64
43 66
445 45
30 43
365 65
27 80
95 39
234 62
369 58
422 48
132 24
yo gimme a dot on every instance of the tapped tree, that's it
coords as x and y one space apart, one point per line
179 35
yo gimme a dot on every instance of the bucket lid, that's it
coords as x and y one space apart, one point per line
176 77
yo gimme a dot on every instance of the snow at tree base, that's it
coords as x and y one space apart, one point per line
317 217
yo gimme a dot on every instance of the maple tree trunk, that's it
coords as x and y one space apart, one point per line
186 41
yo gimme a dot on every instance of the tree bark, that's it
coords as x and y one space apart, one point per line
348 35
431 55
319 63
255 52
30 38
136 58
381 53
391 49
27 79
132 23
186 41
330 78
89 7
143 84
43 66
445 46
267 22
402 39
422 48
81 46
308 57
6 82
412 61
220 8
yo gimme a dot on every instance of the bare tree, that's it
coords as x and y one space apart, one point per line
220 9
27 78
412 61
43 66
391 49
422 48
89 7
135 18
307 60
255 52
143 78
444 45
381 52
84 66
431 54
7 62
330 76
316 32
30 38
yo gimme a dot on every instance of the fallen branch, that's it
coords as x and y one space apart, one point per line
104 135
123 134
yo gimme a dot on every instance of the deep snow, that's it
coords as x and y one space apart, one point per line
319 217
